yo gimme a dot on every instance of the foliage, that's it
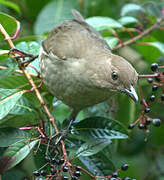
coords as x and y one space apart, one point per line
99 139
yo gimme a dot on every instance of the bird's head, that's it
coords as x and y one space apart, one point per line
123 77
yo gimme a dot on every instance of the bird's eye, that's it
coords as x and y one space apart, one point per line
114 75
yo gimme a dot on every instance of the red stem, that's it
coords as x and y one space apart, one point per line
147 75
16 32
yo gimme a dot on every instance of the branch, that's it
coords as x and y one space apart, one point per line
31 82
141 35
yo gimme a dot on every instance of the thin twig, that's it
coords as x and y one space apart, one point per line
141 35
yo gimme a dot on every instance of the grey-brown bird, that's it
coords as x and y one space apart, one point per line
79 68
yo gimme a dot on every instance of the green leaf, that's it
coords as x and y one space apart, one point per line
126 20
112 41
130 8
8 99
152 9
147 47
158 45
103 23
98 128
92 147
54 13
14 82
101 163
11 5
11 66
61 112
15 109
15 154
9 24
9 136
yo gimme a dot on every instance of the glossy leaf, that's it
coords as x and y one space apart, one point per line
9 24
92 147
101 163
9 136
15 154
15 109
158 45
127 20
129 8
10 65
54 13
11 5
152 9
112 41
8 99
98 128
61 112
103 23
147 47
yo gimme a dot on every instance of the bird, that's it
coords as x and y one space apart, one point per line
79 68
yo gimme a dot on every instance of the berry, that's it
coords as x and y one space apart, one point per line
47 158
124 167
162 97
78 168
54 160
36 173
39 178
65 168
61 161
43 172
65 178
53 171
152 98
156 122
154 87
77 173
127 178
148 121
115 174
154 67
157 77
141 126
147 110
131 126
74 178
150 80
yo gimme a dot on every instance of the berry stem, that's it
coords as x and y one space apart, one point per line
147 75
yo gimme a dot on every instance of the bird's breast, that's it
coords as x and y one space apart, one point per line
69 81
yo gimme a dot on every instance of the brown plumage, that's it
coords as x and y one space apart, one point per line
79 68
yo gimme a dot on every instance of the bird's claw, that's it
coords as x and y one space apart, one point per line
20 54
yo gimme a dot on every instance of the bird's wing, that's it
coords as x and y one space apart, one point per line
74 39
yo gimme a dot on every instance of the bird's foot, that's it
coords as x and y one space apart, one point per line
20 54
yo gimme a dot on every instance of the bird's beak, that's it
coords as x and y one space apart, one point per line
131 93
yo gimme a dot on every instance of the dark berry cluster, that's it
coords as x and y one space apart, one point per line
57 169
157 80
115 175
